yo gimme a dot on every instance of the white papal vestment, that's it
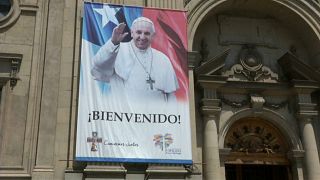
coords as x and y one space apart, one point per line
127 68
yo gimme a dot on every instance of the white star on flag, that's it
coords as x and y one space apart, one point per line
108 14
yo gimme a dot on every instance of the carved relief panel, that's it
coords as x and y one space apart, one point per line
253 140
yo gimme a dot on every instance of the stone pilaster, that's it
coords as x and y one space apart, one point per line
296 157
46 137
193 58
224 152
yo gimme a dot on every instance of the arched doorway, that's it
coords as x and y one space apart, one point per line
258 151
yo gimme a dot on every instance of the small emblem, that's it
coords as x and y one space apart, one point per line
168 139
163 141
158 141
94 140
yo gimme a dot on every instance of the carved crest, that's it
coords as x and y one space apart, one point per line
250 68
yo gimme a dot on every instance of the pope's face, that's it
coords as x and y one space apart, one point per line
142 34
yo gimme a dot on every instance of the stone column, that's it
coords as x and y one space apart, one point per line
310 146
211 112
211 149
306 112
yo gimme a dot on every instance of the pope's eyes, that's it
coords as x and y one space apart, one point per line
145 33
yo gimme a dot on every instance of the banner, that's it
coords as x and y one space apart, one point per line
133 93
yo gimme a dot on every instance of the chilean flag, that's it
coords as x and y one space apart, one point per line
171 36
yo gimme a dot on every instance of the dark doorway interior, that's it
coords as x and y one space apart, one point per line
257 172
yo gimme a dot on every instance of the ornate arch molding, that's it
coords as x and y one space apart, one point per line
270 116
12 16
198 11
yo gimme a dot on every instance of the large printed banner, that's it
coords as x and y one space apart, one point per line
133 93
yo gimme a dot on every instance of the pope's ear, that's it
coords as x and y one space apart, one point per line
153 35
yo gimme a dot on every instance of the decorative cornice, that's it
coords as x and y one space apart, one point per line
248 100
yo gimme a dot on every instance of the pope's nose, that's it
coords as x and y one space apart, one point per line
142 36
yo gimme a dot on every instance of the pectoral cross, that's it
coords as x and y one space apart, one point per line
150 81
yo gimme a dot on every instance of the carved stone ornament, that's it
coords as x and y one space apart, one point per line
10 64
255 100
250 68
253 135
233 103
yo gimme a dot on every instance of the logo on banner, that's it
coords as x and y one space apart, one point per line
163 141
94 140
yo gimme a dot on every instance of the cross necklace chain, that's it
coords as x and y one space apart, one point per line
149 80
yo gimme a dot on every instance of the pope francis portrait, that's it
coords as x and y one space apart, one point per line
134 70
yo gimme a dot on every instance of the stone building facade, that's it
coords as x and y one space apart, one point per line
254 71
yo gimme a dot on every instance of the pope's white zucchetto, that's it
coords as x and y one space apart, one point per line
143 19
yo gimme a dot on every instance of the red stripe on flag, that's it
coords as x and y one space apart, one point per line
171 39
